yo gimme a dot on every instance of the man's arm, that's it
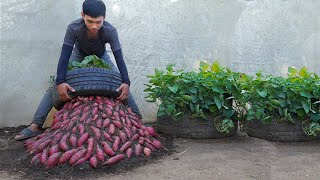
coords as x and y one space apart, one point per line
124 88
62 87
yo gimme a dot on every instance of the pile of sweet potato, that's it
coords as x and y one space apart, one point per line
93 129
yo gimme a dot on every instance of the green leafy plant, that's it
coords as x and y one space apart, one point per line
207 91
288 99
88 61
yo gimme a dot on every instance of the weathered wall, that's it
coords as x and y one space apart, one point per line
246 35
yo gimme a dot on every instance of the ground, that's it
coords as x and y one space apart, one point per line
227 158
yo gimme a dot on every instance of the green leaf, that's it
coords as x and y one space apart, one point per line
193 90
315 117
173 88
303 72
292 71
306 106
218 89
218 102
215 67
262 93
186 97
204 66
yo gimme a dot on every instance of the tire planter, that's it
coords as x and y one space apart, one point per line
278 131
89 82
188 127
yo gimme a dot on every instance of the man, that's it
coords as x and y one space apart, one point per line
85 36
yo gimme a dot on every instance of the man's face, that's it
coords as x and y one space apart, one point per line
93 24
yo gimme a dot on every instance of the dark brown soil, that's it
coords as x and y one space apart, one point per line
14 160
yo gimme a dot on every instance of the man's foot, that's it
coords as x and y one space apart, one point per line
28 132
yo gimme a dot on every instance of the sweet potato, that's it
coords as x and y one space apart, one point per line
103 115
83 138
108 111
107 136
81 129
112 129
147 151
123 136
96 132
95 117
129 152
137 125
156 143
84 116
116 143
63 142
99 123
107 149
36 158
86 109
106 123
99 153
128 122
122 114
114 159
41 146
76 104
94 110
53 160
125 146
73 140
67 155
56 138
127 131
141 133
93 162
65 116
53 149
135 137
78 155
44 156
117 124
138 149
149 146
100 107
134 129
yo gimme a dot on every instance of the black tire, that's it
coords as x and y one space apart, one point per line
278 131
188 127
88 82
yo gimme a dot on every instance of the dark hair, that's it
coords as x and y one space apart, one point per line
94 8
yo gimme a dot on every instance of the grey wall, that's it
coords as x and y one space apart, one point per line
246 35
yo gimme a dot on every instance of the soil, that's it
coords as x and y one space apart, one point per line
15 162
236 157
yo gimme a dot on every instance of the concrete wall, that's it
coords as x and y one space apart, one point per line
246 35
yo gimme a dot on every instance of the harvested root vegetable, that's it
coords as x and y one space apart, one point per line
93 130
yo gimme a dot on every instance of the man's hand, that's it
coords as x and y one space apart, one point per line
63 91
124 88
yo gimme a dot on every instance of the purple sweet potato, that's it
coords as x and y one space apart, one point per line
93 162
125 146
67 155
44 156
116 143
73 140
96 132
129 152
107 136
107 149
123 136
63 142
54 149
53 160
138 149
78 155
106 123
147 151
114 159
112 129
99 153
83 138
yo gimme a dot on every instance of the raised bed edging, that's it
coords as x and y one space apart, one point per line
278 131
188 127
